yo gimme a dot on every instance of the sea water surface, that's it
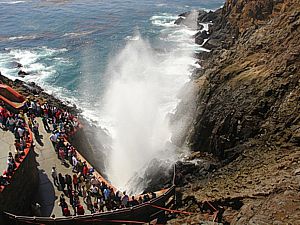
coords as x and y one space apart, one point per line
121 62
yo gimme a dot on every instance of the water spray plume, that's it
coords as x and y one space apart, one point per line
142 92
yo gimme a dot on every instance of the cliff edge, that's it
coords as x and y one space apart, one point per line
247 114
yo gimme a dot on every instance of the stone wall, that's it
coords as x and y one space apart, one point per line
86 141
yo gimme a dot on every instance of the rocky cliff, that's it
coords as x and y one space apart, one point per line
248 113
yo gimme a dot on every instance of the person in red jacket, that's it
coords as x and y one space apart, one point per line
80 209
66 211
85 169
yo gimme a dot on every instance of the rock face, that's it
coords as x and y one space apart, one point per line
248 112
251 87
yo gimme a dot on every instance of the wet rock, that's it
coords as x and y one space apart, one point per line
212 44
189 19
22 73
201 36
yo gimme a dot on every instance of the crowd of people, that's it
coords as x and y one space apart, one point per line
15 123
80 188
96 194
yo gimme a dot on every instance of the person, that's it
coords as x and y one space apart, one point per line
75 182
81 184
153 195
106 194
54 176
89 202
68 180
95 205
36 209
20 131
35 128
146 198
62 183
101 203
79 166
85 170
3 181
66 211
125 199
10 123
80 209
140 200
10 161
74 163
30 123
45 122
94 190
62 203
133 201
62 155
83 192
53 139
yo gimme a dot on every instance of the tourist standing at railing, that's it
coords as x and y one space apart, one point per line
125 199
74 163
62 203
3 181
3 117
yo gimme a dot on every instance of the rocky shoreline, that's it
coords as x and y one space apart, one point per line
246 115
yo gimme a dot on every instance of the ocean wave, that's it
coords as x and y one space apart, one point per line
13 2
21 37
132 38
29 37
164 20
164 23
164 16
36 61
78 34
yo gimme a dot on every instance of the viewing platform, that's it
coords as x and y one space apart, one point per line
46 203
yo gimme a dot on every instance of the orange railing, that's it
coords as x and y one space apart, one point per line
16 101
11 97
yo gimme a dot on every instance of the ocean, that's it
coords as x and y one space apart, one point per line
121 62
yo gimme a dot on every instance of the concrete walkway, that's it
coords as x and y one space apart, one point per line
7 140
48 194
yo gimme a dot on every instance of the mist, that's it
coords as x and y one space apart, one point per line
142 93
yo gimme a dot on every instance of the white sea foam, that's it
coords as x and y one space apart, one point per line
23 37
132 38
164 20
12 2
32 62
78 34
